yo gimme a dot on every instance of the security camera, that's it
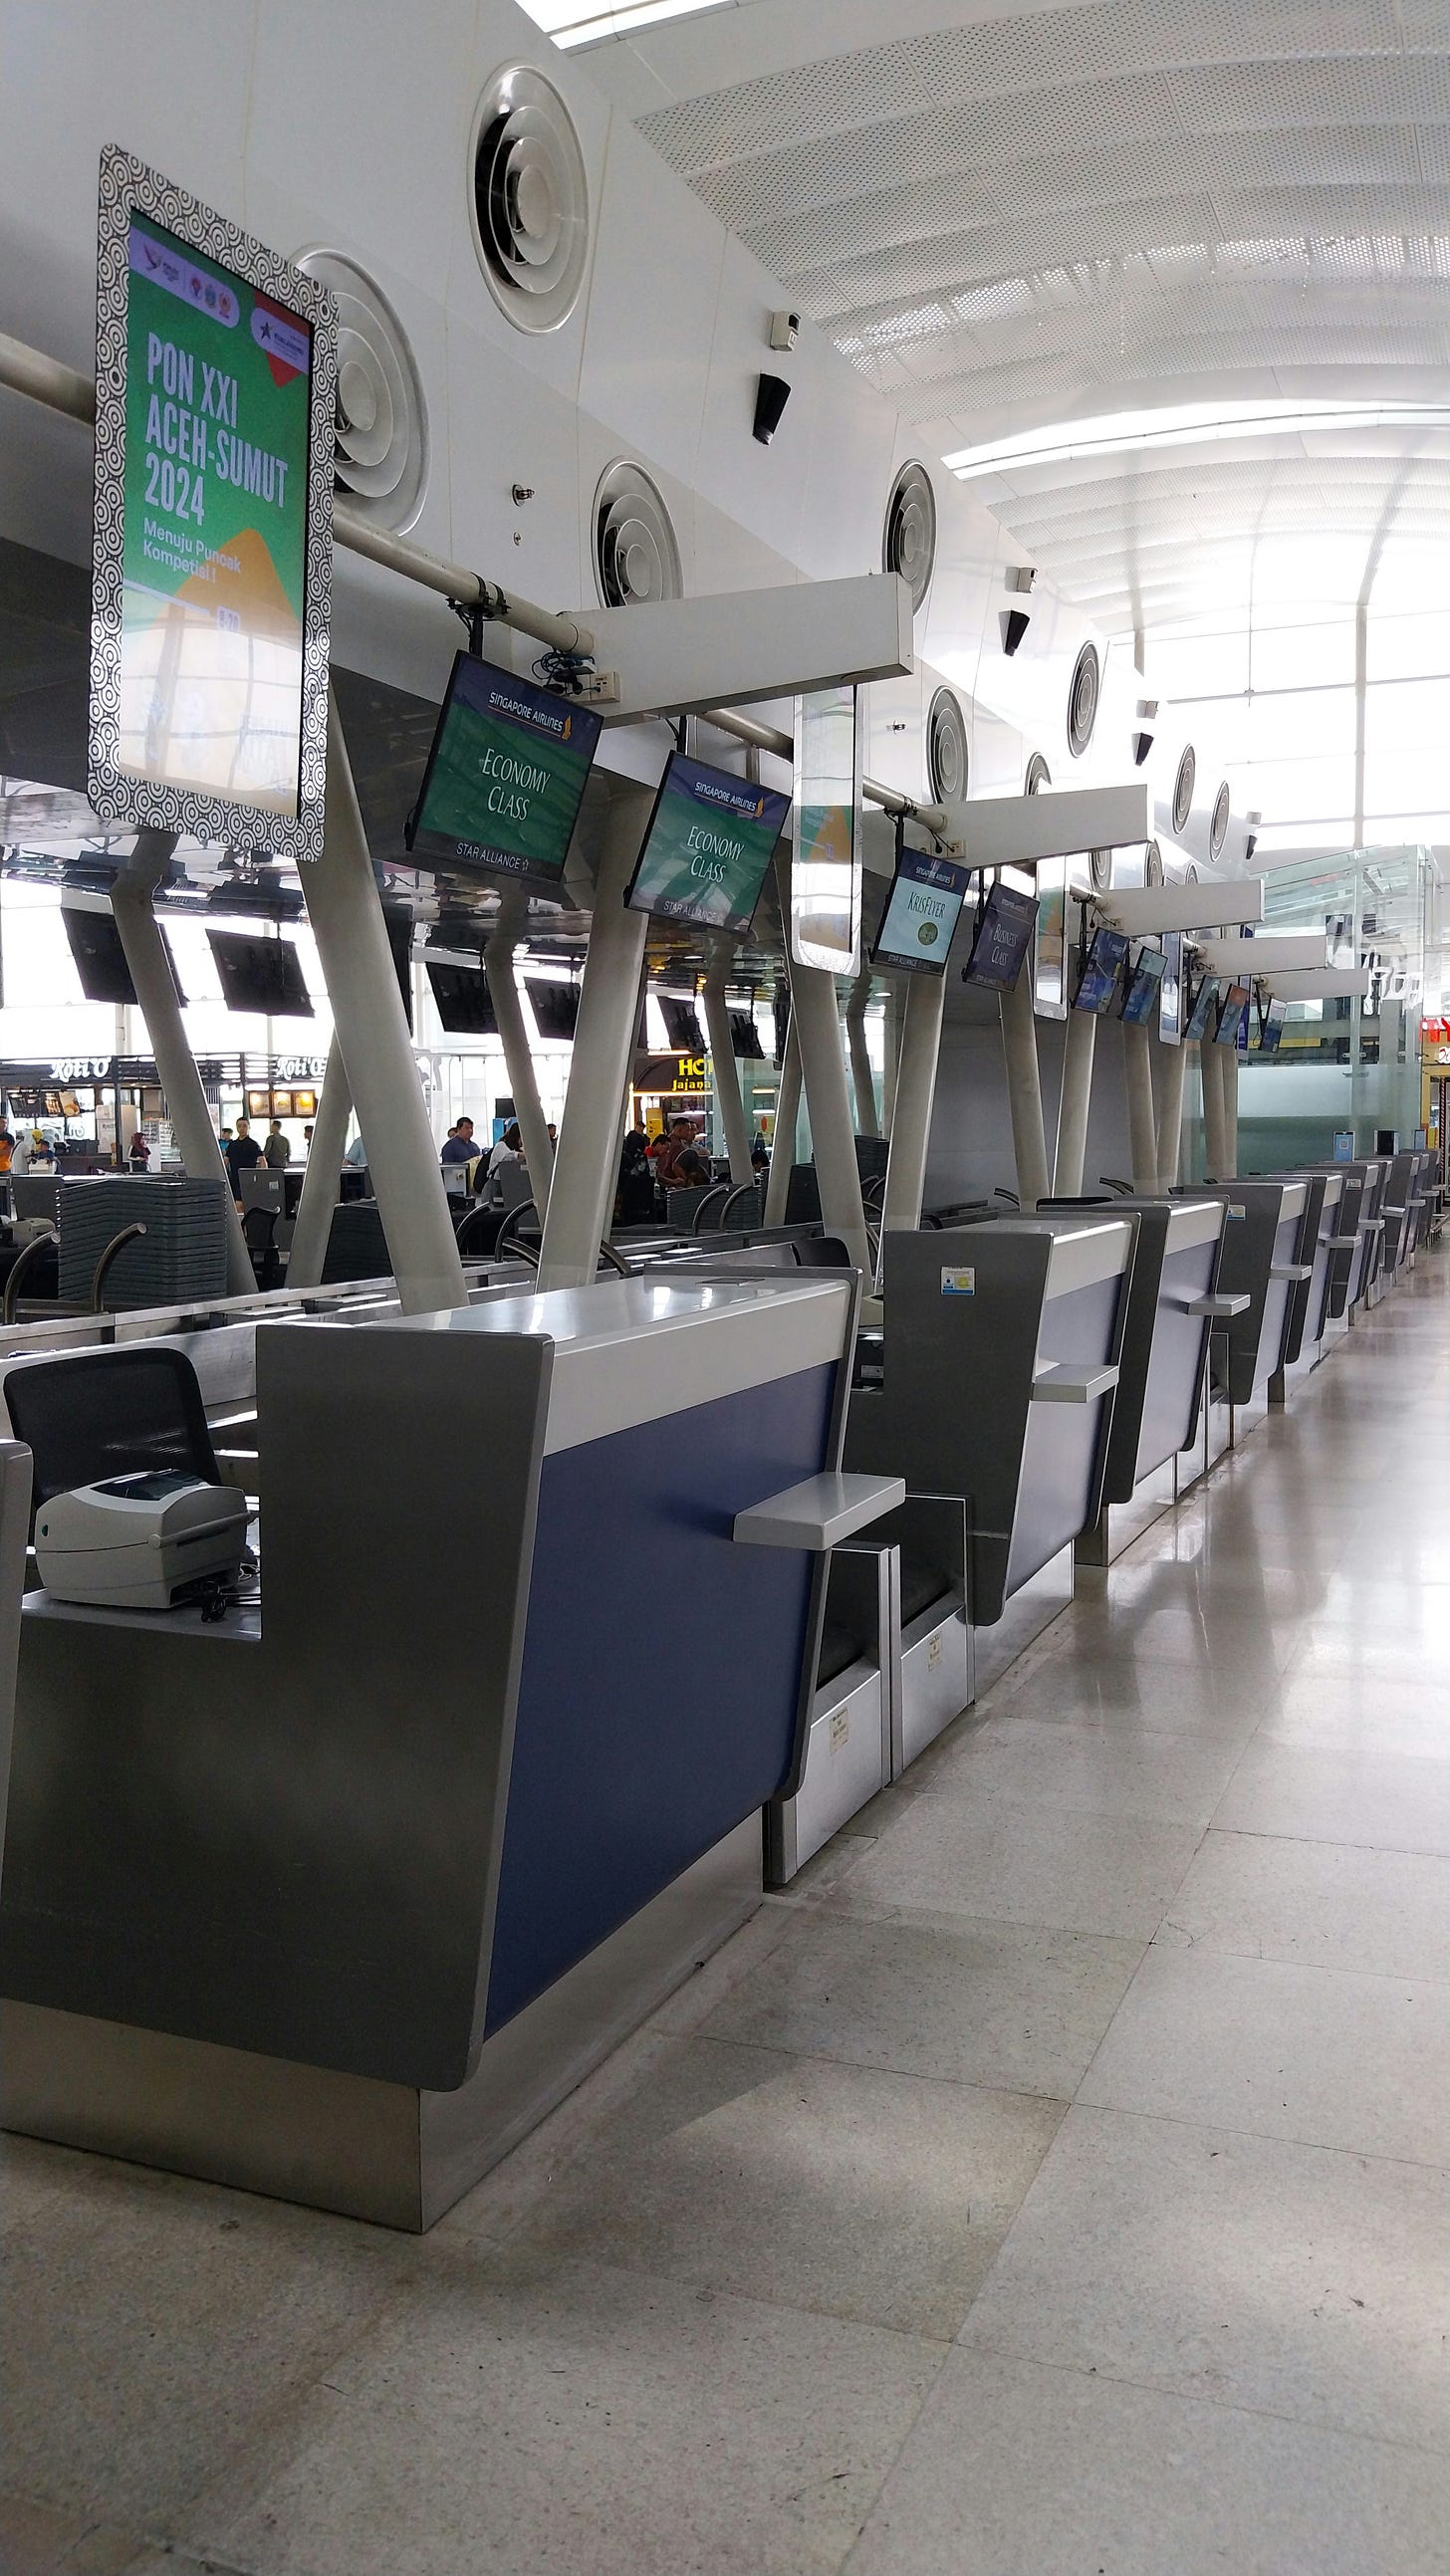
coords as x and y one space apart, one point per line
783 329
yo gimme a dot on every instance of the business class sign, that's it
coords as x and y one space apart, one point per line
215 376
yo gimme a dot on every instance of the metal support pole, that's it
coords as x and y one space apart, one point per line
498 959
1024 1091
372 1030
1215 1143
862 1083
586 1166
1138 1084
308 1255
724 1069
1172 1068
787 1119
823 1068
895 1016
1079 1049
1230 1080
915 1092
150 972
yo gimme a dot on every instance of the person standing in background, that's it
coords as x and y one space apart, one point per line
459 1147
243 1154
276 1150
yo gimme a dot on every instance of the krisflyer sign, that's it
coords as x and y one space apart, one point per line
710 840
215 402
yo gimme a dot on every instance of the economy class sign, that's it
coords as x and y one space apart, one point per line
215 400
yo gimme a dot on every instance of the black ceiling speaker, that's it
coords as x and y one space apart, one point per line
1142 745
772 393
1015 622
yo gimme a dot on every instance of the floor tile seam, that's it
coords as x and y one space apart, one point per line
1082 2101
904 2074
562 2259
1322 1842
1400 2445
1272 2138
1217 1949
1044 1802
888 1912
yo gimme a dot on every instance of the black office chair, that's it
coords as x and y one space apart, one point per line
109 1413
259 1225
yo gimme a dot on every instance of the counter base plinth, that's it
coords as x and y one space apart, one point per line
389 2153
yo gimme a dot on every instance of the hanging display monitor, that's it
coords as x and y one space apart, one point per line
1232 1017
1101 968
1271 1028
216 367
505 777
922 912
464 1003
710 840
262 975
1004 936
1049 968
825 875
555 1007
1171 990
1140 1001
1200 1017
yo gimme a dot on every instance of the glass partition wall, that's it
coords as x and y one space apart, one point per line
1343 1066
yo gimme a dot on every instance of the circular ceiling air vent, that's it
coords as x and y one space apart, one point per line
1190 874
947 756
908 540
1082 700
380 431
636 555
1038 776
1152 865
1218 822
1183 788
1101 862
529 198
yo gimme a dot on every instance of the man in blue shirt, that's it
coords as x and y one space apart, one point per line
460 1147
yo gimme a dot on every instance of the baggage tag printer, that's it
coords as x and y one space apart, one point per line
144 1541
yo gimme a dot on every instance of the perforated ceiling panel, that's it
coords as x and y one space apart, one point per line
1071 211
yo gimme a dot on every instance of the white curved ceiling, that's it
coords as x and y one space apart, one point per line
1015 216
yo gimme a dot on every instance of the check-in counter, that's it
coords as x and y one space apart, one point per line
1309 1311
1349 1255
1319 1250
334 1898
1260 1260
1174 1300
1404 1204
1000 1359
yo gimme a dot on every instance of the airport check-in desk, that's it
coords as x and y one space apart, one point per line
1307 1317
1260 1259
1001 1351
1174 1302
335 1898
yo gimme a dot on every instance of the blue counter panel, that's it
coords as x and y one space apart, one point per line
662 1669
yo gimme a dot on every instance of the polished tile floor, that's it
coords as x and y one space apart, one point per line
1049 2185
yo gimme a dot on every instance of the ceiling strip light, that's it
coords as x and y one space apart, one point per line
1192 425
570 25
